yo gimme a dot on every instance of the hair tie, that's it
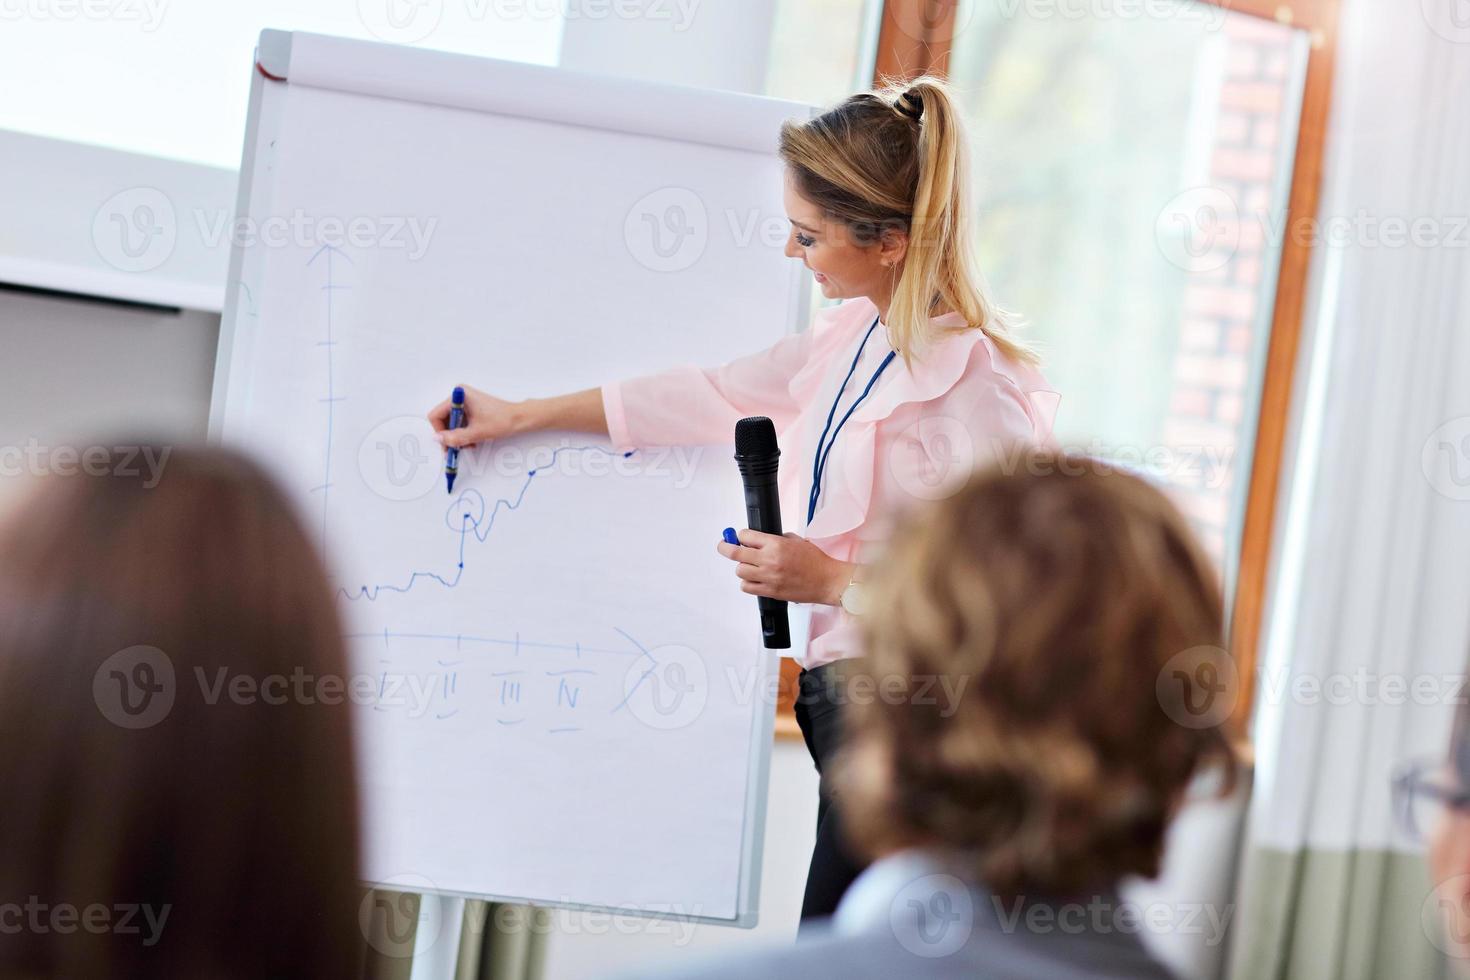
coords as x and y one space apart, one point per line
910 104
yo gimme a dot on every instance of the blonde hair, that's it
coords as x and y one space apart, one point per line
897 158
1059 594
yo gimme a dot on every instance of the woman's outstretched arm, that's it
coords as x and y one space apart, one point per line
489 417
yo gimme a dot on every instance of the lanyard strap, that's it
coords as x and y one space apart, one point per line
819 463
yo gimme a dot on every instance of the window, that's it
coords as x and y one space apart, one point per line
1132 177
822 50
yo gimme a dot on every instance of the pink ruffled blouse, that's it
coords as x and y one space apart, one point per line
913 438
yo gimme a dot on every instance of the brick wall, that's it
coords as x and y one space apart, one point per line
1224 318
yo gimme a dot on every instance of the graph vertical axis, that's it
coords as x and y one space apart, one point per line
330 342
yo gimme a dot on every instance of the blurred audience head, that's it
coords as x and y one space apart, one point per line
1031 620
1433 800
171 805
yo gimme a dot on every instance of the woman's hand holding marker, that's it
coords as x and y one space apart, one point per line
486 418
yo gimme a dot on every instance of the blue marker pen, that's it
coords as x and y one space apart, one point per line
456 421
730 536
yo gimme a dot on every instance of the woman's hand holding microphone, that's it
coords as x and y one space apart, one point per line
787 566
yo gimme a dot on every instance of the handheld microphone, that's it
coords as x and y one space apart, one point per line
757 455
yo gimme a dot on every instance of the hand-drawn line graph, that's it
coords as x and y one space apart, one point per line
468 515
468 510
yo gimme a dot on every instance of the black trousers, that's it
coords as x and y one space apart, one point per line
819 700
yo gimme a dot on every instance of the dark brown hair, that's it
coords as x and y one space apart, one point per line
1058 594
237 819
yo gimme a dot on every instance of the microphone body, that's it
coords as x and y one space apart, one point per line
758 455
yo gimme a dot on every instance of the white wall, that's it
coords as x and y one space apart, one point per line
78 374
103 222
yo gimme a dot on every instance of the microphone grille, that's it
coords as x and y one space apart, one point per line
755 436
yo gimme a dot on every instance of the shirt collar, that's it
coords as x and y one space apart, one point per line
881 893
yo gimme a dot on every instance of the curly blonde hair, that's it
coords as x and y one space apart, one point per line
1048 601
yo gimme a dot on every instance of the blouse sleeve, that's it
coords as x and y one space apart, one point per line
1006 408
692 406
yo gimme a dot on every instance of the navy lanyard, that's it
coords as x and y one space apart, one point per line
819 463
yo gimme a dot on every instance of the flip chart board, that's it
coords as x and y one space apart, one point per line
562 696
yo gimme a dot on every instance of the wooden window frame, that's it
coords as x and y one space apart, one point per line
901 54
